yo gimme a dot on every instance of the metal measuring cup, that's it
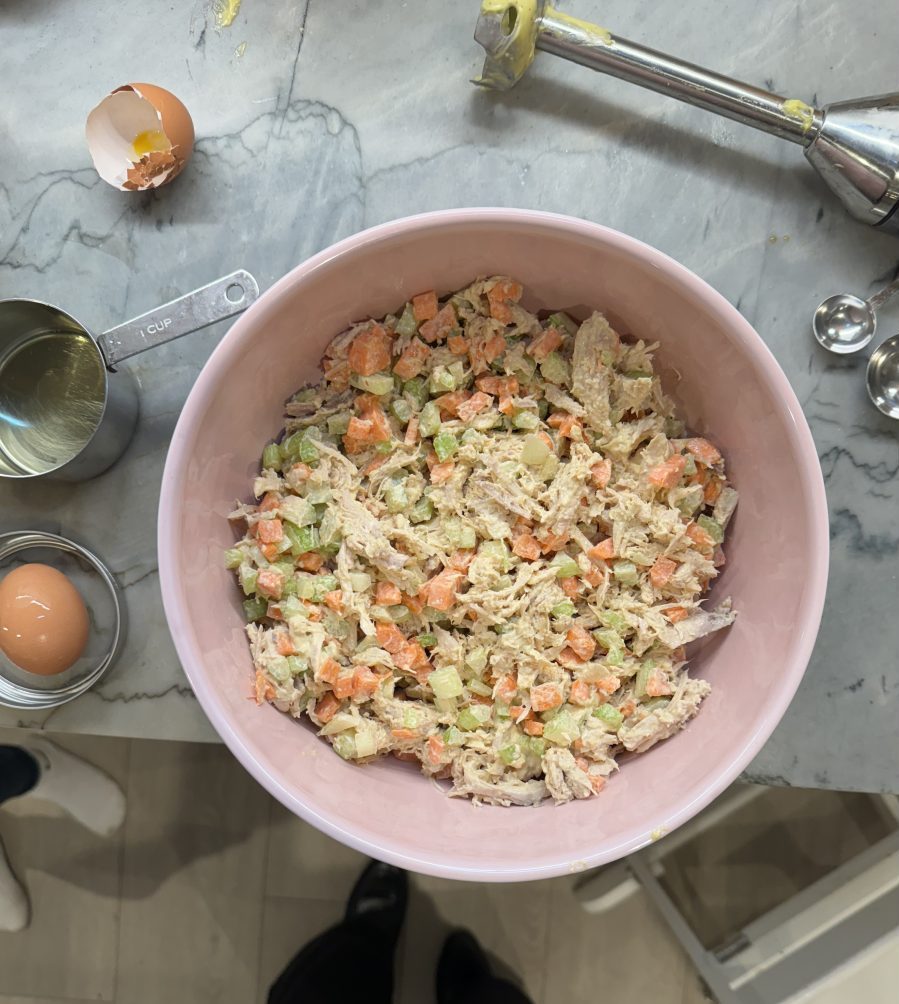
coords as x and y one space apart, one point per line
65 412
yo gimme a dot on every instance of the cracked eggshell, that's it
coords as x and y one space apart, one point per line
140 137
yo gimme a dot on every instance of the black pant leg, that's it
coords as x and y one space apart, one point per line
19 772
495 990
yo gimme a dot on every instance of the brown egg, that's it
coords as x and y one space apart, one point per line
43 620
140 136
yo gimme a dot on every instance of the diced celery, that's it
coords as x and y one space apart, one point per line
563 609
509 754
543 408
366 743
290 446
427 640
376 383
550 468
609 716
407 325
656 703
615 656
360 581
566 567
396 498
445 683
468 539
247 577
279 668
290 587
690 466
561 729
712 527
459 534
638 375
458 371
422 511
562 320
271 455
537 745
377 612
470 436
453 737
416 391
445 445
525 420
643 673
338 424
233 557
467 721
615 621
344 745
284 567
308 451
401 409
302 538
481 688
297 665
255 608
607 639
319 496
498 551
290 604
429 420
625 572
329 550
674 428
477 659
384 448
534 451
410 718
555 369
399 613
441 381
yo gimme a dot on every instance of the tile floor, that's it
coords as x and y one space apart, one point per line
211 886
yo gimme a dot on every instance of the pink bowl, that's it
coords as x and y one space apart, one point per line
730 388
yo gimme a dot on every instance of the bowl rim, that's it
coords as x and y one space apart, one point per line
174 478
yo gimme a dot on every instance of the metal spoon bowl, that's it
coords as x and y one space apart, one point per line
844 323
882 377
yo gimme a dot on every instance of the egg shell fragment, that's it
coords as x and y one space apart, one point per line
127 113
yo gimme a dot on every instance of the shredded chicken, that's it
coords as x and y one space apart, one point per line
482 544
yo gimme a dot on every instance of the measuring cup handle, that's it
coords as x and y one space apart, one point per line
887 293
210 303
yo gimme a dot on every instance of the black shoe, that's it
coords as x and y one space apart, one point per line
380 896
462 965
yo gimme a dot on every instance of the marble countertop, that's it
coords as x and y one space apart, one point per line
315 120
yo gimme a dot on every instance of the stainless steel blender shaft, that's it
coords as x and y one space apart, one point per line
853 144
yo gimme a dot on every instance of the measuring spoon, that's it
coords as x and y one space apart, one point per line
845 323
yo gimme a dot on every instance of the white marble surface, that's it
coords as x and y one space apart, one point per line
339 115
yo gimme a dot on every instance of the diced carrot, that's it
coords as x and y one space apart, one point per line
440 592
460 560
506 689
270 502
387 594
601 473
556 419
676 614
603 551
597 783
412 360
679 654
581 641
425 306
313 612
326 707
553 542
571 428
516 710
712 491
458 345
370 351
404 735
704 452
544 438
581 693
499 295
436 749
475 404
628 707
700 537
493 348
411 437
337 373
360 430
570 587
582 762
372 466
657 684
334 600
343 686
594 578
544 343
274 611
365 681
668 473
608 685
284 644
442 472
661 572
545 696
269 551
439 326
353 446
498 386
413 603
568 657
533 728
411 656
300 471
506 405
264 691
526 546
328 671
310 561
449 403
390 638
269 583
370 410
